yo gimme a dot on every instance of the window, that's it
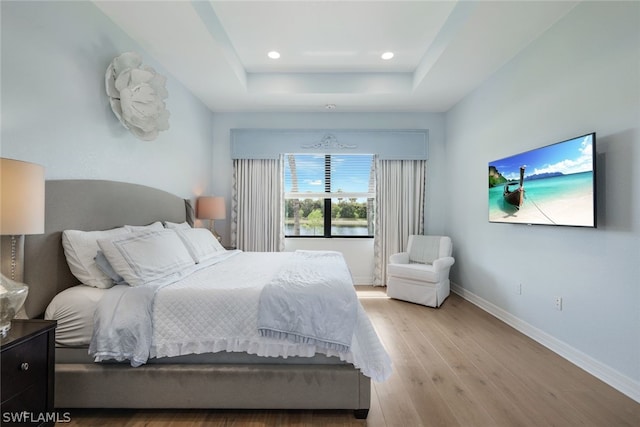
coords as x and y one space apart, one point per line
329 195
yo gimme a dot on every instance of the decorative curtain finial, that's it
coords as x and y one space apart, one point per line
136 94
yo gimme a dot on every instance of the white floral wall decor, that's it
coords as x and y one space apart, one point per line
136 94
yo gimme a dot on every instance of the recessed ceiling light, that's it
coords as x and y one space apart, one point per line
273 54
387 55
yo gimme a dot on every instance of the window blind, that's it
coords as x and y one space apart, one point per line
329 176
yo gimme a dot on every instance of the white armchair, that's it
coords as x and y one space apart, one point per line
421 274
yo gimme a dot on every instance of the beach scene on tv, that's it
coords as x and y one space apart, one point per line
551 185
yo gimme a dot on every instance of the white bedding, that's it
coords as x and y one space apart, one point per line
216 309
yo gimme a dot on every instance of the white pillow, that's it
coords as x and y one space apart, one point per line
173 225
73 309
154 257
80 248
202 245
156 226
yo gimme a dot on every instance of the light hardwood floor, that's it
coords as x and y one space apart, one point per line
453 366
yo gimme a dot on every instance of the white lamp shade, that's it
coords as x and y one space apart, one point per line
211 208
21 197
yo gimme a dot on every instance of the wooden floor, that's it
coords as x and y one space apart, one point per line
453 366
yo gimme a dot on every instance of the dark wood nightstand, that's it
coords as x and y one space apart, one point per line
27 366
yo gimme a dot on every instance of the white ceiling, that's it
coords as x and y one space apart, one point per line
330 50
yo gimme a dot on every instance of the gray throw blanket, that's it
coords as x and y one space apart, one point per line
311 300
122 324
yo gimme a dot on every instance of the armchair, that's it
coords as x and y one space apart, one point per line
421 274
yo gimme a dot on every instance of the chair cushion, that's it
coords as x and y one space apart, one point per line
424 249
421 272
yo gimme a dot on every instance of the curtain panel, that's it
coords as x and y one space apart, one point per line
400 198
257 205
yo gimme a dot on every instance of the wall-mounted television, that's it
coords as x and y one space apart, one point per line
550 185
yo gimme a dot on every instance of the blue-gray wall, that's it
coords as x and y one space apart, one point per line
581 76
55 111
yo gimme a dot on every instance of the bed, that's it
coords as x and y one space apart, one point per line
215 380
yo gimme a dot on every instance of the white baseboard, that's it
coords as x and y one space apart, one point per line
603 372
362 280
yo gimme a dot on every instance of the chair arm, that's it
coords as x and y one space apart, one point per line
399 258
443 263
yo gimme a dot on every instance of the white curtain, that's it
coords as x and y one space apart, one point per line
257 205
400 196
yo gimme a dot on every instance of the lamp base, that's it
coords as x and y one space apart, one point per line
4 330
12 250
213 231
12 297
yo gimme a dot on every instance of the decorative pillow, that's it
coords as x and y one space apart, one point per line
73 308
80 248
174 225
105 266
156 226
200 243
153 257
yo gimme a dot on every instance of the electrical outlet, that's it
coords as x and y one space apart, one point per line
558 302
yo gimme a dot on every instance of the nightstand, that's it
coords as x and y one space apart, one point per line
27 365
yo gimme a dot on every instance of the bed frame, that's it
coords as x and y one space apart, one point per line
99 205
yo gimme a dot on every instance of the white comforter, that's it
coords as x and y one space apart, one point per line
216 309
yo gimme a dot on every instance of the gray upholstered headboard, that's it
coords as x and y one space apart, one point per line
88 205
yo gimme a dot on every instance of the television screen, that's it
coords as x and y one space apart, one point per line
552 185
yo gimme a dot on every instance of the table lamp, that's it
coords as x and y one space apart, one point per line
21 212
211 208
